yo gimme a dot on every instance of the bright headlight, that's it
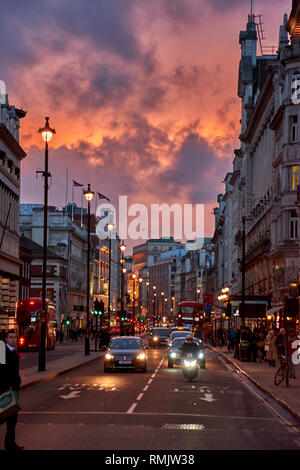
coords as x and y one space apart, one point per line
141 356
155 338
201 355
190 363
173 354
109 356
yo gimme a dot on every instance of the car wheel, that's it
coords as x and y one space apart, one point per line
170 365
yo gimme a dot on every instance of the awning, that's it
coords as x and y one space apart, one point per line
274 309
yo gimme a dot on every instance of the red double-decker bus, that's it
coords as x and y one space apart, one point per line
28 311
191 314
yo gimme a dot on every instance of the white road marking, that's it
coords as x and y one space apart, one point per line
208 397
150 381
145 388
152 376
130 410
71 395
113 389
140 396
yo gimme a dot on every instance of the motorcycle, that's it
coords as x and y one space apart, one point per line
190 367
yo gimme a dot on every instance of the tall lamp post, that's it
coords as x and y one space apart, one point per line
123 270
88 194
162 303
47 134
148 286
110 228
140 301
133 305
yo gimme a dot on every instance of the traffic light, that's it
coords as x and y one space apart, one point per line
68 321
98 307
228 310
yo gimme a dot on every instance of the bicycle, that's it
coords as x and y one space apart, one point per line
283 372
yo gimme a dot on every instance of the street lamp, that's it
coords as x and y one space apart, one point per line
47 134
110 226
140 301
122 249
162 303
88 194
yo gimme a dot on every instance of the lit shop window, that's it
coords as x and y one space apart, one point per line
294 177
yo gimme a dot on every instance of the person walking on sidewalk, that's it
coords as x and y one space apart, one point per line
271 348
10 379
260 346
280 342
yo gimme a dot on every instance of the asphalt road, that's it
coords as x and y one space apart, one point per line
160 410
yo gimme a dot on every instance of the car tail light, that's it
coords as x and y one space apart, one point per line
21 341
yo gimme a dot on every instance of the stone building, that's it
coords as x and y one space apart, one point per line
11 155
263 183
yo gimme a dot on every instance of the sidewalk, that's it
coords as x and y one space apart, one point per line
31 376
262 375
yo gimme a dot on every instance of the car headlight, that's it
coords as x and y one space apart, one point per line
109 356
155 338
173 354
201 355
141 356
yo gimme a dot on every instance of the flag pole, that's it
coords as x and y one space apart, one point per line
73 201
81 204
67 180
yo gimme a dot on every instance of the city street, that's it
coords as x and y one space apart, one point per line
87 409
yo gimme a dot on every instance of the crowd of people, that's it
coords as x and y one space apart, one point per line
262 344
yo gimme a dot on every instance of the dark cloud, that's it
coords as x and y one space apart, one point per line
196 167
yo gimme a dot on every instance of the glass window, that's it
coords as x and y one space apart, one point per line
126 343
294 177
293 224
294 129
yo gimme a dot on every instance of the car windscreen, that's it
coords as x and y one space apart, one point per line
126 343
180 334
161 331
179 341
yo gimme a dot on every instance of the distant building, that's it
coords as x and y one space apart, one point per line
11 155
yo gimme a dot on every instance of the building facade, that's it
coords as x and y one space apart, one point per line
262 186
11 155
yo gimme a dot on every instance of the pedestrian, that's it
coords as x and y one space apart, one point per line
10 380
271 348
253 345
260 346
280 342
61 336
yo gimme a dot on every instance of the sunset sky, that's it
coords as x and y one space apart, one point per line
142 93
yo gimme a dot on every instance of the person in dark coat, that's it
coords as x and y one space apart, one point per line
10 379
